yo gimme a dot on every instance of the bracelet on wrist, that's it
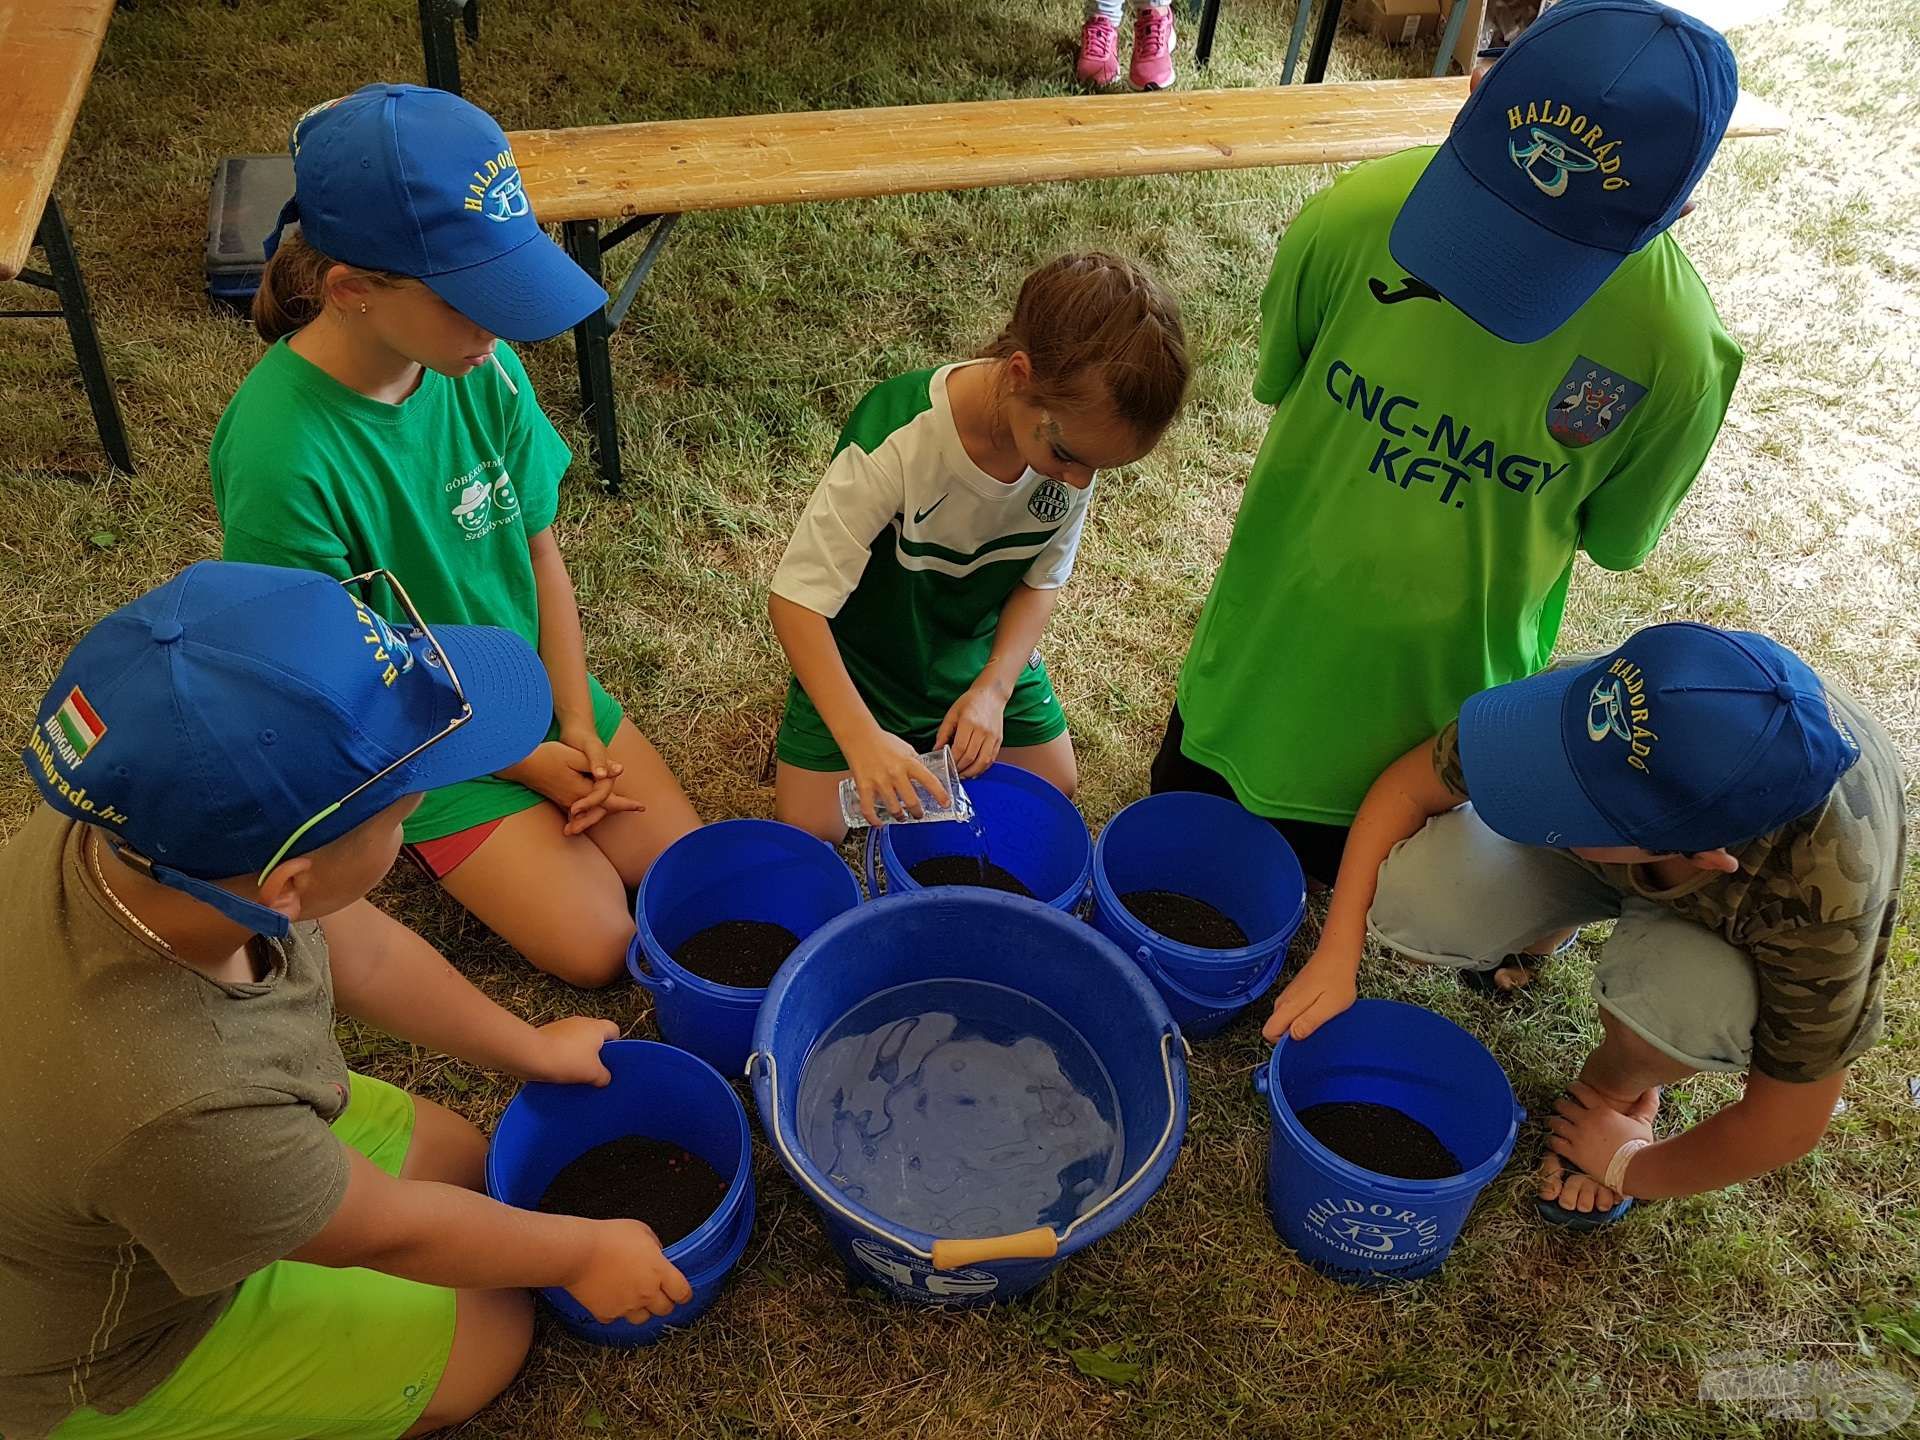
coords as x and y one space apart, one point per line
1616 1177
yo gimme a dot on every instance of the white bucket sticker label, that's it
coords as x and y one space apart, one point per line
1373 1231
911 1275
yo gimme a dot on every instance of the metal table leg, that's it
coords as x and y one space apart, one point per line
1209 22
1323 41
63 278
440 44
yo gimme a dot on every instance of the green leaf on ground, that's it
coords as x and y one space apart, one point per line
595 1419
104 539
1105 1364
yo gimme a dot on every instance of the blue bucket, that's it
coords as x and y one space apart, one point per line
1200 1016
657 1092
730 870
1032 831
1212 850
1351 1223
964 933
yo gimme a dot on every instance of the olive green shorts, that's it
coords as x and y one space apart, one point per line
307 1350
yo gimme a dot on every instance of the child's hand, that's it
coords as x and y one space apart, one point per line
627 1276
1325 986
885 769
600 766
564 775
974 726
570 1051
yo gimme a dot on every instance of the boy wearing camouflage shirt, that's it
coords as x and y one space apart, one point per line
1741 821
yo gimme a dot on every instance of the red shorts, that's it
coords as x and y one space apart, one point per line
441 856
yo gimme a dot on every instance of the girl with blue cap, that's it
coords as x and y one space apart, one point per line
389 426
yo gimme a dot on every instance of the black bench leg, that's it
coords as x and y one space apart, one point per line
595 362
470 17
68 284
1323 41
441 47
1209 22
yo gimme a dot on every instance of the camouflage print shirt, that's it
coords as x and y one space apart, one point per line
1813 903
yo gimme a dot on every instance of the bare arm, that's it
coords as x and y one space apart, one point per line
975 724
1408 793
884 766
445 1235
1773 1124
389 977
563 650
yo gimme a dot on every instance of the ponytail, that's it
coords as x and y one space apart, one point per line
293 287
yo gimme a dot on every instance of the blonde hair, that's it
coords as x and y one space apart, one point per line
293 287
1097 322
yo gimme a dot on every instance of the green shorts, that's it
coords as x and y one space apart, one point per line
1033 717
307 1350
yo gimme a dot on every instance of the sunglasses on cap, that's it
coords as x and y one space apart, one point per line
361 586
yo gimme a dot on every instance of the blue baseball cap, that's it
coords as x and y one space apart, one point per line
1686 738
421 183
204 723
1581 145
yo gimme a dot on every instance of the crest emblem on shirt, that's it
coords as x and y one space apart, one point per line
1050 502
484 502
1590 402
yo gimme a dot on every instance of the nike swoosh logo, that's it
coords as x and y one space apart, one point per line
1410 289
920 516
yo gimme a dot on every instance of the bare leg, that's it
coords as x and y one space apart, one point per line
810 799
633 839
1512 977
1628 1073
446 1148
492 1329
556 898
1053 762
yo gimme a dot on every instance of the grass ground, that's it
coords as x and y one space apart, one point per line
755 335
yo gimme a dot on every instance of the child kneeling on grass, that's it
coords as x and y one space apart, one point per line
925 567
386 426
1743 824
208 1226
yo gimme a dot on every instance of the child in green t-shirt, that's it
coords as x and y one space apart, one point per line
922 572
387 427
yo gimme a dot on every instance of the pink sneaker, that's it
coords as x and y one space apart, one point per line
1153 42
1099 52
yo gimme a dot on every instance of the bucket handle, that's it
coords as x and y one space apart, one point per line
946 1254
1039 1243
659 984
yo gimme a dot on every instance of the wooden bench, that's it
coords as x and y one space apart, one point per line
646 176
47 53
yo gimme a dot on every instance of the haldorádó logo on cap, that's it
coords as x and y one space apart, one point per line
207 721
419 182
1582 144
1686 738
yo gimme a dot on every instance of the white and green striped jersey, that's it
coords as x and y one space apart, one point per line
911 550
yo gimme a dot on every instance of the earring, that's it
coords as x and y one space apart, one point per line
363 307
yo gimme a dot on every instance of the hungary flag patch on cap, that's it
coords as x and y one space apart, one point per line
80 723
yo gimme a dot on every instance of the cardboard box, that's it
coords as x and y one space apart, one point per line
1396 22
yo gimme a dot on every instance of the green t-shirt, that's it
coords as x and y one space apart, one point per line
1410 524
444 489
912 551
